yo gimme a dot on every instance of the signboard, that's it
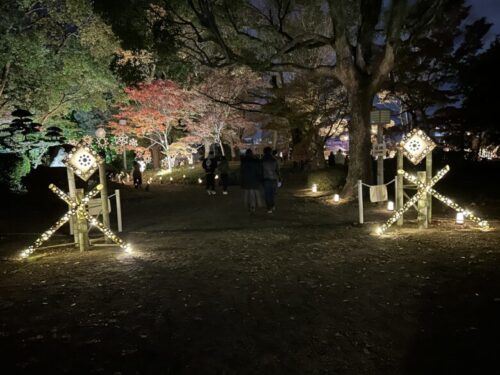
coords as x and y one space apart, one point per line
380 117
378 149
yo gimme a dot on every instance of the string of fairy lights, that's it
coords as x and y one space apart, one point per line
77 207
467 214
423 189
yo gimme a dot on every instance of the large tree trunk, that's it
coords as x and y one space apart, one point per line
360 160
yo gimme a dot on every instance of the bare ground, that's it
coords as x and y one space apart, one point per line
211 289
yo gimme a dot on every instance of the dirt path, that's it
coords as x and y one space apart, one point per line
213 290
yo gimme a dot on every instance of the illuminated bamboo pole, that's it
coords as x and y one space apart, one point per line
422 190
72 193
422 203
428 170
83 229
482 223
107 232
399 185
104 195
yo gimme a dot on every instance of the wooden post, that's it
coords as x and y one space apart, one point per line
118 209
83 230
73 228
380 158
399 185
428 171
422 203
360 202
104 197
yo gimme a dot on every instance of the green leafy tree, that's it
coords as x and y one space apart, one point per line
54 57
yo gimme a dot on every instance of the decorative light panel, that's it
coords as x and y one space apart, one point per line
416 145
83 161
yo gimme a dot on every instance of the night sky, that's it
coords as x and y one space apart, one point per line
491 10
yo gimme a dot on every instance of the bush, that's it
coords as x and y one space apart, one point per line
327 179
14 167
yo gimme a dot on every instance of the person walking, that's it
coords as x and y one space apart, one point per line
331 159
210 165
223 168
251 177
271 177
137 174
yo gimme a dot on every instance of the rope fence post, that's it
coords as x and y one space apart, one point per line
360 201
118 210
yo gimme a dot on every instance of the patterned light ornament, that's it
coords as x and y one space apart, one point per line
133 142
121 140
102 142
83 161
416 145
87 139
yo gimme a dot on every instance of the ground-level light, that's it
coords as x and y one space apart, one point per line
460 218
390 206
200 181
314 188
336 198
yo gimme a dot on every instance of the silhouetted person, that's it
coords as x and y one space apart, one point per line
223 168
339 157
251 177
210 165
137 174
271 177
331 159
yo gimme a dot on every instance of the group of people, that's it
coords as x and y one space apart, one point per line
260 178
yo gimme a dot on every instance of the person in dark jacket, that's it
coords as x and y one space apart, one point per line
251 177
210 165
271 177
137 174
223 168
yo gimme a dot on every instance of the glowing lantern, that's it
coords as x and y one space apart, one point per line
460 218
100 133
200 181
336 198
390 206
314 188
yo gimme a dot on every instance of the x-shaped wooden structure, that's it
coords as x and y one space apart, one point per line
427 188
77 207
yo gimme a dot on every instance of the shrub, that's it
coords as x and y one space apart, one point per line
14 167
327 179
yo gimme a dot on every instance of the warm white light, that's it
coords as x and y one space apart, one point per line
171 178
314 188
200 181
183 176
390 206
460 218
336 197
216 176
100 133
